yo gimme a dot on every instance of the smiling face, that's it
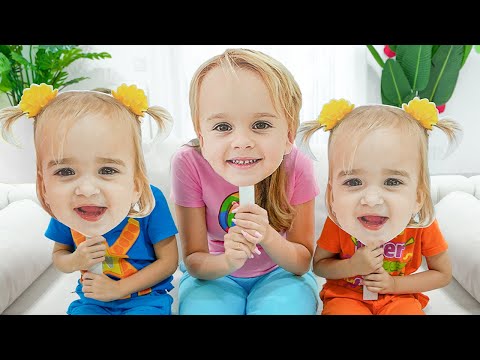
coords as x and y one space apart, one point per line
377 199
242 135
89 182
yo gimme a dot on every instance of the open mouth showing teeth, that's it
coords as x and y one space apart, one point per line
90 213
243 162
373 222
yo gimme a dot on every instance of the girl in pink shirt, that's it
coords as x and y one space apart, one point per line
252 258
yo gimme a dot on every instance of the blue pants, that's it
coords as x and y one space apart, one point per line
276 293
155 303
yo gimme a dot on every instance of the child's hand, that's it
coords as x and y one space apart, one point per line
367 259
90 252
100 287
237 248
253 220
380 282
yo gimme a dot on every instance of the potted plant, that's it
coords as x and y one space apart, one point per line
425 71
22 65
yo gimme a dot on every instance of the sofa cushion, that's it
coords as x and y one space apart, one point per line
458 215
24 252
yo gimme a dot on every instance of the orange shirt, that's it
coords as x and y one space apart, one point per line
402 255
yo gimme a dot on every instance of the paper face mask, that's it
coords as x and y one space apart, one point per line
88 179
374 197
242 134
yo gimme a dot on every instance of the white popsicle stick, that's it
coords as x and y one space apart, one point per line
97 268
247 194
368 295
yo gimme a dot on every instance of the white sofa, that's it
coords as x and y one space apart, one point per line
31 285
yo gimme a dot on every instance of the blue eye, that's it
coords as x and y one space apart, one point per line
222 127
64 172
392 182
107 171
353 182
261 125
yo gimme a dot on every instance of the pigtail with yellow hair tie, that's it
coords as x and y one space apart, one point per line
331 114
424 111
136 101
35 98
334 111
132 97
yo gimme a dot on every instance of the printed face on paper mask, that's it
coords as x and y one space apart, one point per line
91 187
242 136
377 199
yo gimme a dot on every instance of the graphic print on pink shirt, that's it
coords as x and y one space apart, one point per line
225 214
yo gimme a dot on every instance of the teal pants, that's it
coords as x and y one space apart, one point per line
278 292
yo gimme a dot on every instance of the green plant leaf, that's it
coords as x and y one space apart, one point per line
95 56
434 49
477 48
4 64
39 63
55 48
386 101
20 59
466 52
393 48
415 61
446 66
5 50
409 97
74 81
5 84
394 84
376 55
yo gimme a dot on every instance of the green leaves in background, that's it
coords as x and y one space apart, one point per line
395 85
22 65
446 66
426 71
415 60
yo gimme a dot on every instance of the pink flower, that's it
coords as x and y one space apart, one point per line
441 108
389 51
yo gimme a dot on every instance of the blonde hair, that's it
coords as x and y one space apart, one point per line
70 106
287 99
365 119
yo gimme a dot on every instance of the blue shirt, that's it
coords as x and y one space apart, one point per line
155 227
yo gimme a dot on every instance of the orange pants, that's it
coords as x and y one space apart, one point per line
385 305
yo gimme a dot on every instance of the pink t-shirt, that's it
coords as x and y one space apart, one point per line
196 184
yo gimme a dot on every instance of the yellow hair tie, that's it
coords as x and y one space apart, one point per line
333 112
35 98
132 97
424 111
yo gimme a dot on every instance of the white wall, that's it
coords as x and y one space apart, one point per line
18 165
